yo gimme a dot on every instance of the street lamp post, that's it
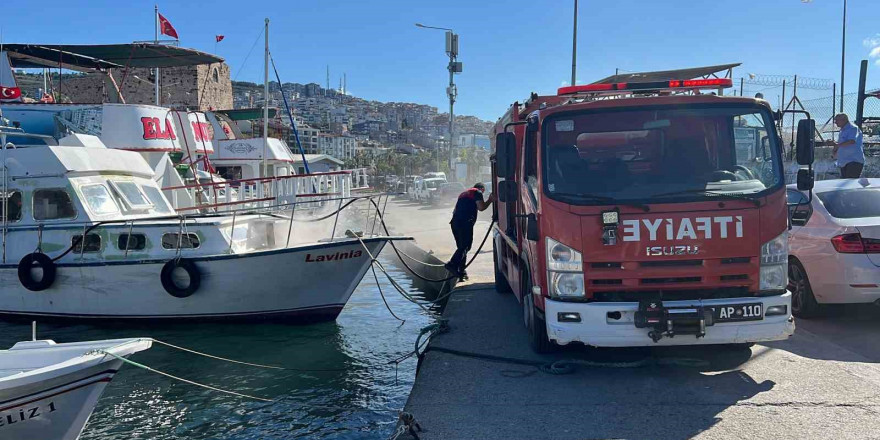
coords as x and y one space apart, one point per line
451 91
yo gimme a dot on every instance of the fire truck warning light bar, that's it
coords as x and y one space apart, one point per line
712 83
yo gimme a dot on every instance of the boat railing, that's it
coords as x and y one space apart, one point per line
286 212
265 192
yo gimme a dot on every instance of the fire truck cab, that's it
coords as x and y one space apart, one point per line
635 214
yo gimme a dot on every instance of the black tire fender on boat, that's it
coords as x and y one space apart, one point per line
195 277
36 260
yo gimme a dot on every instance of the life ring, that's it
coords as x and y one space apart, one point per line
41 261
195 277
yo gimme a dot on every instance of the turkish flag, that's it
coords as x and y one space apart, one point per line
165 27
219 38
9 93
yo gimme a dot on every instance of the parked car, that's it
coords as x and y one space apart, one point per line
448 193
435 174
834 245
425 188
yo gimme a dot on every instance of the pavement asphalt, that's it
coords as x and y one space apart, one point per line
824 382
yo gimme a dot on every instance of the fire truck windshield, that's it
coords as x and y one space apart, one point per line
691 153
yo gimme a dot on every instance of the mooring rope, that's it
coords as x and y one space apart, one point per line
153 370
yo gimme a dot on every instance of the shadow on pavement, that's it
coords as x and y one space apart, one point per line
612 393
854 329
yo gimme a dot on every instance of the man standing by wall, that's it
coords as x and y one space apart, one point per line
469 203
851 155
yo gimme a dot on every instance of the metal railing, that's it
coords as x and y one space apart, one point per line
266 192
185 223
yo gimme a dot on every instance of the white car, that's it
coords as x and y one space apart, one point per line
425 189
834 245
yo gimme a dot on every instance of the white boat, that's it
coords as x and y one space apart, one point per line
48 390
143 260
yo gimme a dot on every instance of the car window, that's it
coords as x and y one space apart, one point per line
852 203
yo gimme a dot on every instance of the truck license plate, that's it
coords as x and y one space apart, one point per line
738 312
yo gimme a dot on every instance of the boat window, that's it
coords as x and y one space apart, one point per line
229 173
133 242
10 201
186 241
155 196
52 204
93 243
99 199
130 193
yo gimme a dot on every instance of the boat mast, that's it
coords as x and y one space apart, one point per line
5 194
156 82
266 104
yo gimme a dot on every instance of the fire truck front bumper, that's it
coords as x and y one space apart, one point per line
690 322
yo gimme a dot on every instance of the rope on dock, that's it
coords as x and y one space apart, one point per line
568 366
153 370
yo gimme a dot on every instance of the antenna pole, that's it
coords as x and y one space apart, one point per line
574 45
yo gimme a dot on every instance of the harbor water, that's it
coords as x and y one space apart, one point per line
339 384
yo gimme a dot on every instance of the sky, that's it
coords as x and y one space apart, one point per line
509 48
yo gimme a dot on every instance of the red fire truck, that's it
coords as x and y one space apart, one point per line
649 213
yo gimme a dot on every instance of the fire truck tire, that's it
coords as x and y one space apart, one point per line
192 272
501 284
803 302
41 261
535 323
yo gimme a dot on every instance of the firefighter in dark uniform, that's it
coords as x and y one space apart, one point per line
463 219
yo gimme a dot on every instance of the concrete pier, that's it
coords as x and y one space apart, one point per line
824 382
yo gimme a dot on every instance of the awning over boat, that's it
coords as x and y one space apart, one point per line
665 75
247 114
88 57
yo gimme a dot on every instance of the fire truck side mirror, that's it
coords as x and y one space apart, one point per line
805 141
505 154
507 191
805 179
532 227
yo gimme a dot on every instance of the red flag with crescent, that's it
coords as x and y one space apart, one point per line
9 93
165 27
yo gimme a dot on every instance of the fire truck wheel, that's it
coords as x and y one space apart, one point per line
803 302
501 284
535 324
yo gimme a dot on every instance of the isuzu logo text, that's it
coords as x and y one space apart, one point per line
656 251
683 229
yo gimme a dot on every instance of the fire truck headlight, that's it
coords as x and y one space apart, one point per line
563 258
774 263
567 284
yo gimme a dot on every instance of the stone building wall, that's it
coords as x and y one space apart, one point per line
202 87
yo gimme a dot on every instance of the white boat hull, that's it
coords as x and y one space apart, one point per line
304 283
48 391
57 408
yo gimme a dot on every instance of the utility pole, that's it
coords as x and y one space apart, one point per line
452 51
451 91
842 55
574 45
